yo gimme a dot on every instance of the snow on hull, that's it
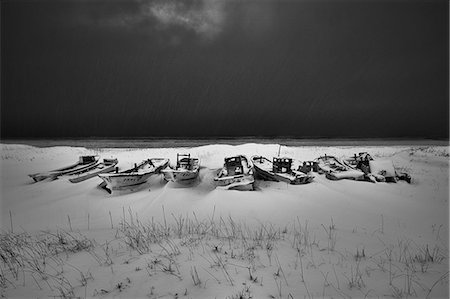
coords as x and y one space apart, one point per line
348 174
187 170
335 170
243 183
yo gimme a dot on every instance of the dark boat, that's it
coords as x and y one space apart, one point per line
279 170
236 174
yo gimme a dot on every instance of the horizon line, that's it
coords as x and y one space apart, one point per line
446 138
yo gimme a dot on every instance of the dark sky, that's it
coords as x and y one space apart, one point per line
224 68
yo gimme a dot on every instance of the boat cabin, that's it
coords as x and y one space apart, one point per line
184 161
362 161
110 161
234 166
87 159
364 156
282 165
307 166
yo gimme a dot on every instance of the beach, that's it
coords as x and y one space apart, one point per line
324 239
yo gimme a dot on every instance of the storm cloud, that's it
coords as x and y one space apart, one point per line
205 18
224 68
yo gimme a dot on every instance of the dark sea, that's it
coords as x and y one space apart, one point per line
194 142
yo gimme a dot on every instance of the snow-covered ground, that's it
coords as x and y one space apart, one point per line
162 240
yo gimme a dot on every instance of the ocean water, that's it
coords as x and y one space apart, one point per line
193 142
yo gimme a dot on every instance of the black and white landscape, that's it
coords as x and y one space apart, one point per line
134 80
323 239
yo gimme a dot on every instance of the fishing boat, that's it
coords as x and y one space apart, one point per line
378 170
106 166
139 174
83 163
236 173
279 170
336 170
186 169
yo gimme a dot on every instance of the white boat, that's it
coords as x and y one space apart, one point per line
106 166
377 170
237 174
139 174
335 170
84 162
186 169
279 170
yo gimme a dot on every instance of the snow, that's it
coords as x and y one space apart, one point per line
339 218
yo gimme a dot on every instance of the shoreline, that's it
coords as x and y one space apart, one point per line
195 142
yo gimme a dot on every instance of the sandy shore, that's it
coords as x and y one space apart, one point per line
362 214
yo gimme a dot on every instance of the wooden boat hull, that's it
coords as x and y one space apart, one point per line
37 177
85 162
134 176
178 176
265 175
296 179
98 169
124 180
242 182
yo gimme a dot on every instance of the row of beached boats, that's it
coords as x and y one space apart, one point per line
360 167
238 172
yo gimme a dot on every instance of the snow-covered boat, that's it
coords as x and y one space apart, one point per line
279 170
236 173
378 170
336 170
139 174
84 162
106 166
186 169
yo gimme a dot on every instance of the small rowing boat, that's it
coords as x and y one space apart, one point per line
106 166
84 162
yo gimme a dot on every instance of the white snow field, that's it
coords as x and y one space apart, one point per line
339 239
